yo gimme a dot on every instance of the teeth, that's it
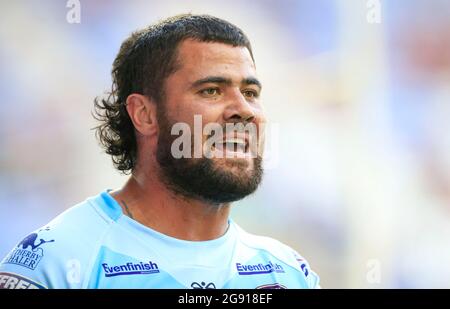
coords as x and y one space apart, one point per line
234 145
235 140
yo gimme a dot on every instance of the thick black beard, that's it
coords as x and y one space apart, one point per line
199 178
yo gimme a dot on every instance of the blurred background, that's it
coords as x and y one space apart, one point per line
359 90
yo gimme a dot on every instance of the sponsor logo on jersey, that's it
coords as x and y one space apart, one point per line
14 281
271 286
130 269
28 252
203 285
257 269
302 264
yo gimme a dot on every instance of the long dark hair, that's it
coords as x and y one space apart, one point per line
144 62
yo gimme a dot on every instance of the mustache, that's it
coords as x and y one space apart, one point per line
232 127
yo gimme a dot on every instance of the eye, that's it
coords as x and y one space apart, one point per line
250 94
209 92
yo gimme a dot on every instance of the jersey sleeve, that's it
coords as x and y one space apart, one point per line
30 263
58 255
312 279
40 261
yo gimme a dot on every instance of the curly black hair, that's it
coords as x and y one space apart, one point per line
144 62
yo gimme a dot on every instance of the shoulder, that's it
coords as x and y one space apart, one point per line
272 247
58 254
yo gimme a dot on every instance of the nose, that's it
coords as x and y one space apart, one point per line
239 109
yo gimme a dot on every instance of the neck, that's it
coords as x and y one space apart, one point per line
148 201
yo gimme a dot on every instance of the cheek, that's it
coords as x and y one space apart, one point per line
181 109
260 118
209 112
261 124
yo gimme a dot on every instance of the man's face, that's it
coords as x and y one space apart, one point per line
217 82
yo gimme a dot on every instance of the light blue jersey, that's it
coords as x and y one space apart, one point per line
94 245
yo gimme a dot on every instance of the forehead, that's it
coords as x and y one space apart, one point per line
198 59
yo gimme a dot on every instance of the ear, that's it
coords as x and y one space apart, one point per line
142 112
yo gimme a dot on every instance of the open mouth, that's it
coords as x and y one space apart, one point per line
238 146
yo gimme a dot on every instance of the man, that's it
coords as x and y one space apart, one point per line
169 226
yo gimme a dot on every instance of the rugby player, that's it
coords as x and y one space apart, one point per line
169 226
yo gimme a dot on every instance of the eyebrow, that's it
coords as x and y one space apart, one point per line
225 81
252 81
